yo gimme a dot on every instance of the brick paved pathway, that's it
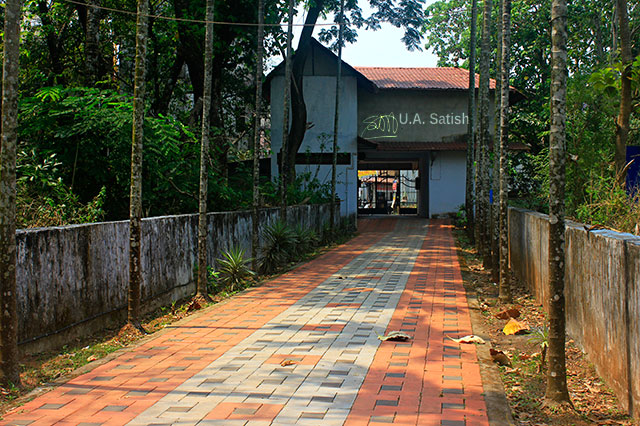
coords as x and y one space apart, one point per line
224 367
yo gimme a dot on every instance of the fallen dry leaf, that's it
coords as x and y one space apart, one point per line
515 327
395 336
469 339
500 358
194 306
508 313
287 362
593 389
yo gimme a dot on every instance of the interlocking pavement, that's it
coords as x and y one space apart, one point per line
303 348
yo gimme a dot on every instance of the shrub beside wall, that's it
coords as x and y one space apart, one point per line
73 280
602 290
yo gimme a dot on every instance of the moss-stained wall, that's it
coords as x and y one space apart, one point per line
73 280
602 290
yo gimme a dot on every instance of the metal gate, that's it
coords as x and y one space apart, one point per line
388 192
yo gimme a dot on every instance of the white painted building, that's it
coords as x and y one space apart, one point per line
390 119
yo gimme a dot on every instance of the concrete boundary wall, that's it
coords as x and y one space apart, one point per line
602 291
73 280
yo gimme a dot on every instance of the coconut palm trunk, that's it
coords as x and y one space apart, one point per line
203 234
495 205
504 286
255 213
484 212
285 116
135 206
471 140
622 122
336 120
556 390
92 47
9 366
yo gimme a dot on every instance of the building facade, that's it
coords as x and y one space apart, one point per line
391 119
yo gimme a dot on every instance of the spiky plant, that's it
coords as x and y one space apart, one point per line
279 248
233 269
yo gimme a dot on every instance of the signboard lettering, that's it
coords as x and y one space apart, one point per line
389 125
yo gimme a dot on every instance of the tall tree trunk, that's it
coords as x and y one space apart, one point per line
160 103
201 291
477 230
298 107
190 47
557 375
484 212
614 35
135 207
53 43
598 39
285 116
471 140
622 123
255 214
505 286
336 121
9 366
495 206
92 43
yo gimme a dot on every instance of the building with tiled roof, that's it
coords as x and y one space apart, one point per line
427 78
410 120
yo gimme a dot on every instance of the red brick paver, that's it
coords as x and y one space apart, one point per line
324 317
116 392
430 380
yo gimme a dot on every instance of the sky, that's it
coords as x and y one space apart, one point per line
382 48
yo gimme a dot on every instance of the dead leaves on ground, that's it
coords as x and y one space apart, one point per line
515 327
469 339
287 362
508 313
500 357
395 336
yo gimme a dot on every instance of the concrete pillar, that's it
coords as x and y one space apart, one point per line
423 192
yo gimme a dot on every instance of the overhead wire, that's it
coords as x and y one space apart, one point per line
189 20
203 21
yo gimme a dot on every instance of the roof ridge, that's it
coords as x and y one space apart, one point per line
410 68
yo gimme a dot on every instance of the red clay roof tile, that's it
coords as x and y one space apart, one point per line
419 78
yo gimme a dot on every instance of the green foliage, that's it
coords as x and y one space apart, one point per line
593 194
607 80
341 233
233 270
284 244
213 285
306 189
406 14
461 217
279 247
607 203
43 199
79 141
305 240
88 132
540 336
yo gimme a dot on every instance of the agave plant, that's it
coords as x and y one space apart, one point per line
233 269
280 247
305 240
